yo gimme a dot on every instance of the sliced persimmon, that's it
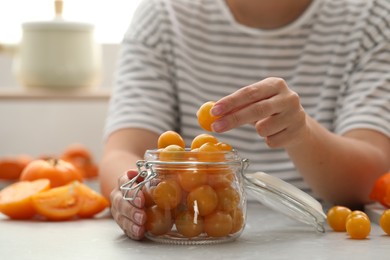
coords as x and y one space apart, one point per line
92 201
60 203
16 199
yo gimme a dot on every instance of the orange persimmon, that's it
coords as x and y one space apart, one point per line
81 157
60 203
381 190
15 199
12 166
92 201
59 172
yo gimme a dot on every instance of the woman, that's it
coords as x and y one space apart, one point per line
302 89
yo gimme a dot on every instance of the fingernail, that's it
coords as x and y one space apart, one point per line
138 217
137 202
217 110
219 126
135 229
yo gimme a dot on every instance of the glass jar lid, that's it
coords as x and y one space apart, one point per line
285 198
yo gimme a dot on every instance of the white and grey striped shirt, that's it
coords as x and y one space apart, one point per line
178 54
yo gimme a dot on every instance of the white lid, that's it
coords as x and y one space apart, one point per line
57 24
285 198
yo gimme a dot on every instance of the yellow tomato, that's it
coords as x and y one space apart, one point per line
384 221
205 119
358 227
168 138
337 218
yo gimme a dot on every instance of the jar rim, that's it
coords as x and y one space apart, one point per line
193 157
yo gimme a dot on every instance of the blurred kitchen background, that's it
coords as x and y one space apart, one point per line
45 124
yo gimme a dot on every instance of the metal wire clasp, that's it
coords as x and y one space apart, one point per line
146 172
244 165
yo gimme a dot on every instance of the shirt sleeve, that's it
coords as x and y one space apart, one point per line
365 101
143 94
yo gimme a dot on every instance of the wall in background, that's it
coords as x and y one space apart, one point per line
46 127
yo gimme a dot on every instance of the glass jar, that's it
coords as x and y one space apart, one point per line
200 198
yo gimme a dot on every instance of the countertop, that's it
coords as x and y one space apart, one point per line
268 235
33 94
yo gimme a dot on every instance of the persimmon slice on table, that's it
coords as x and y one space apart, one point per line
60 203
92 202
16 199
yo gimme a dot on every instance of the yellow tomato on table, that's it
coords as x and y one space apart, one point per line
337 218
384 221
358 226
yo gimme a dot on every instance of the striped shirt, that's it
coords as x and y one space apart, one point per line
178 54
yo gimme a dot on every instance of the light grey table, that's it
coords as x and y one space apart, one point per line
268 235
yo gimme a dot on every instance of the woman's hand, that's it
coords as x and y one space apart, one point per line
131 218
270 105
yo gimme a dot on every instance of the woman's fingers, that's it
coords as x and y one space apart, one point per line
270 105
249 114
245 96
129 215
290 114
253 103
122 180
282 135
284 129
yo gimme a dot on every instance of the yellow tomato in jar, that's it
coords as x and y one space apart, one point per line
189 225
203 200
218 224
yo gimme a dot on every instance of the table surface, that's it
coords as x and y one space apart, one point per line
267 235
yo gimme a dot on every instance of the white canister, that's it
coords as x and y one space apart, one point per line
58 54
